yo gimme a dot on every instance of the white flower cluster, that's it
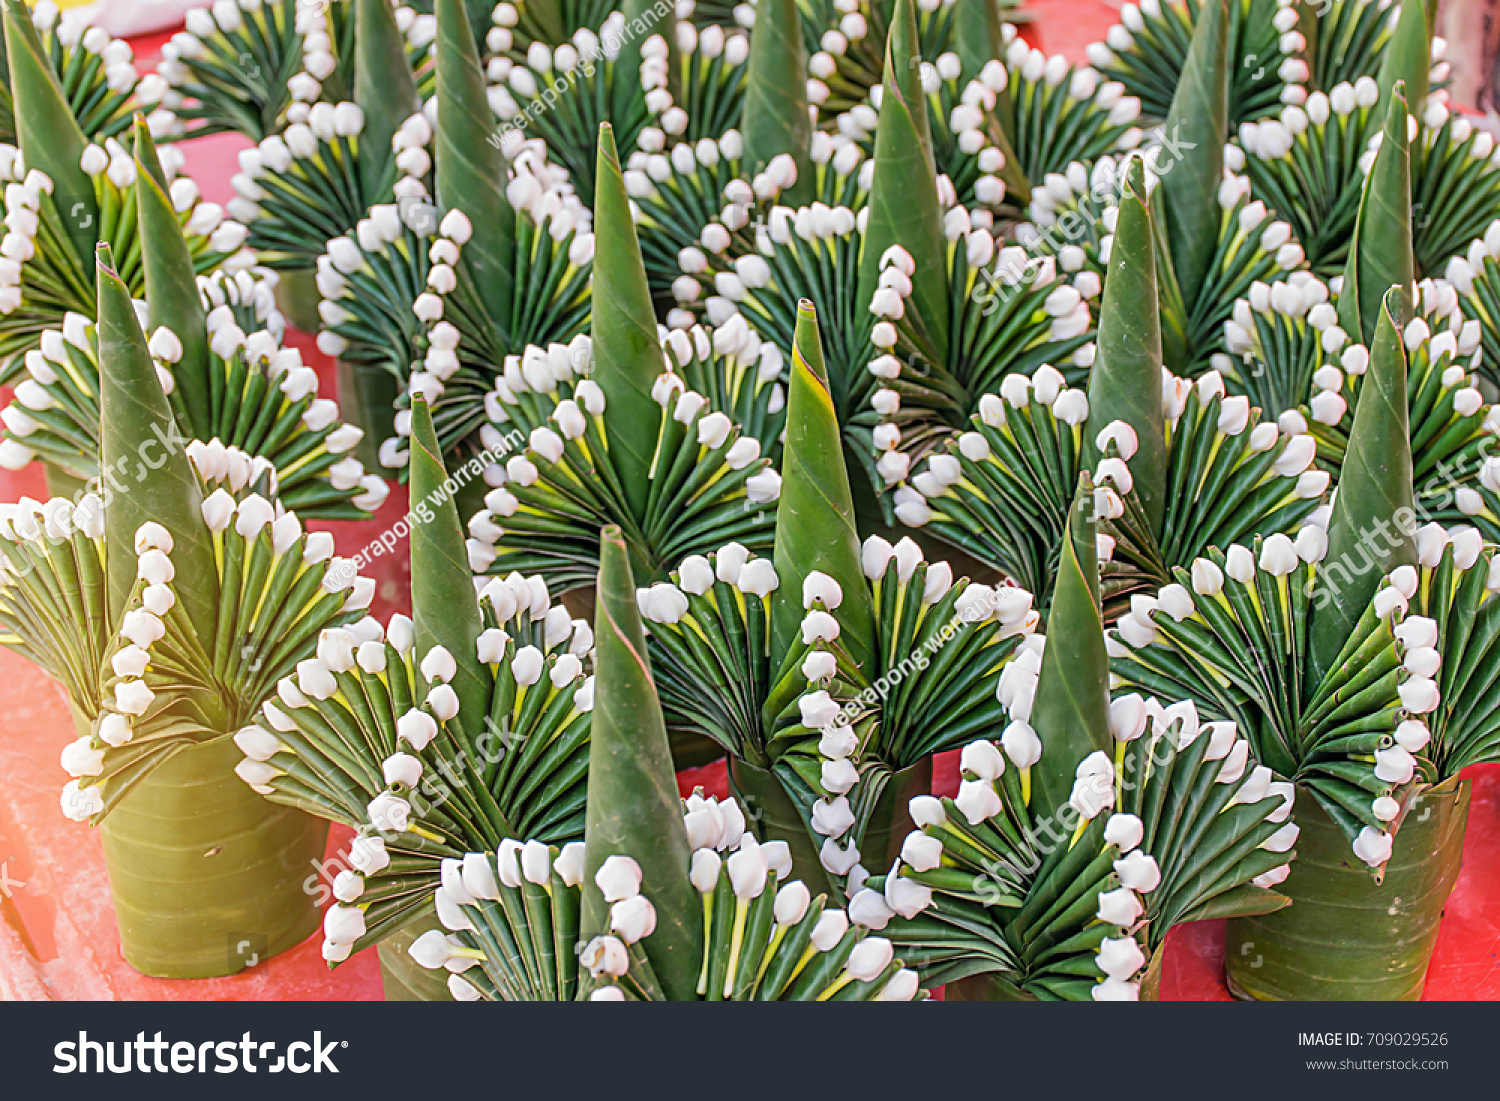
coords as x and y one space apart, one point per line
838 744
247 294
716 828
114 54
1291 70
479 876
1066 307
667 602
312 126
203 26
1416 637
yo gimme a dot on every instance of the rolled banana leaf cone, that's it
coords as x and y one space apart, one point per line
634 809
1186 201
205 875
383 87
1406 61
1345 938
47 133
1125 382
470 170
1375 490
1071 707
903 205
171 284
815 520
444 609
1380 253
775 117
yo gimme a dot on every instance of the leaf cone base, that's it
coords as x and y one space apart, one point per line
1345 938
207 876
404 978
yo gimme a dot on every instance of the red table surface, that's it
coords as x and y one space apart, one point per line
57 928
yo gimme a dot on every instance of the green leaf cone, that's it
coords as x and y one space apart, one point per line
775 117
171 285
47 133
1125 383
1375 485
976 35
1380 254
144 460
1070 711
444 609
470 170
383 88
1199 122
1407 58
815 527
627 355
903 206
634 809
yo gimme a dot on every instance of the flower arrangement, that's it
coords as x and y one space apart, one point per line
1370 665
665 905
161 673
1076 843
227 390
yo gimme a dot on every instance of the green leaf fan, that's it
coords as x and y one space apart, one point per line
369 733
434 295
1309 165
613 436
1180 465
302 187
94 71
247 393
846 45
653 92
1077 839
913 326
162 669
63 197
1284 339
230 69
649 909
829 673
1002 134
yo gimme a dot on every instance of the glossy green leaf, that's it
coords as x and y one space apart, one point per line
634 809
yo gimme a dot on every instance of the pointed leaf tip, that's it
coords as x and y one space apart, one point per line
634 809
445 611
1070 710
815 524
